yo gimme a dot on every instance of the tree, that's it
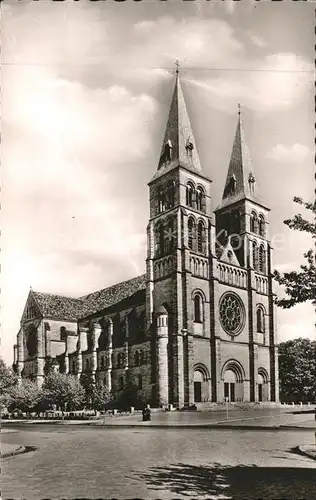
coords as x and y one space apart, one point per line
100 397
129 396
63 390
300 286
25 397
88 384
7 377
297 369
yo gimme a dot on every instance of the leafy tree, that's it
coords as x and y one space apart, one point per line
8 380
25 396
300 286
7 377
63 390
100 397
88 384
297 370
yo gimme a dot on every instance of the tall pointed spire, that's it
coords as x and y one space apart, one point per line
179 147
240 181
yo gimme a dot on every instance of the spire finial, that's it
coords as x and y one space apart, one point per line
239 111
177 65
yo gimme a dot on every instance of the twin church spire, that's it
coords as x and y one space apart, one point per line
179 148
240 181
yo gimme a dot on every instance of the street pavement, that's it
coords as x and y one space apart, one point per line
171 461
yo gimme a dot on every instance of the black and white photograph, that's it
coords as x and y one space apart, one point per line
158 275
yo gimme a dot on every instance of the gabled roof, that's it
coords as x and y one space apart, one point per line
179 146
58 306
113 294
241 182
71 309
228 255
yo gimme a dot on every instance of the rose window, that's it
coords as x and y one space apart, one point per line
232 313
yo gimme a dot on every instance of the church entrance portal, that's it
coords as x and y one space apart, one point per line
230 386
198 379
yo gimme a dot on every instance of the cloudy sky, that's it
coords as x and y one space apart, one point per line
85 95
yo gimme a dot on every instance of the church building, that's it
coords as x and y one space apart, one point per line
199 326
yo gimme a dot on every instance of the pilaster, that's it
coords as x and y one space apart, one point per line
109 356
251 324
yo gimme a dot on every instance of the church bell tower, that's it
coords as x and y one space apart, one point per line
178 248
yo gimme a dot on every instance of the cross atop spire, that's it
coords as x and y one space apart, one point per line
240 181
179 146
177 65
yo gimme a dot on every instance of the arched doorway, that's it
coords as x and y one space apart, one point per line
201 381
229 386
198 379
262 385
233 377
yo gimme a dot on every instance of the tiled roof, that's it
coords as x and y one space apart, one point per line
107 297
71 309
58 306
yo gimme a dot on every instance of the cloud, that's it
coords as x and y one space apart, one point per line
296 153
277 81
257 40
194 42
296 322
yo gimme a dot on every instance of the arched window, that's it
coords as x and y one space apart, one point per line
198 309
201 237
261 225
190 194
255 255
191 233
169 236
102 363
139 382
260 320
142 359
137 358
159 239
161 201
200 199
262 259
170 195
120 360
253 222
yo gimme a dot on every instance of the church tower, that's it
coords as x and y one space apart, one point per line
177 299
243 242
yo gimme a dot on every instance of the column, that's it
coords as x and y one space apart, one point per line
126 353
162 357
40 356
96 332
20 354
109 356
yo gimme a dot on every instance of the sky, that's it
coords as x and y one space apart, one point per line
86 88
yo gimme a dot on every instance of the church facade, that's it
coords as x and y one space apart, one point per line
199 325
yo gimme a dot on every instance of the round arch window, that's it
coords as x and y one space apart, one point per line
231 313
